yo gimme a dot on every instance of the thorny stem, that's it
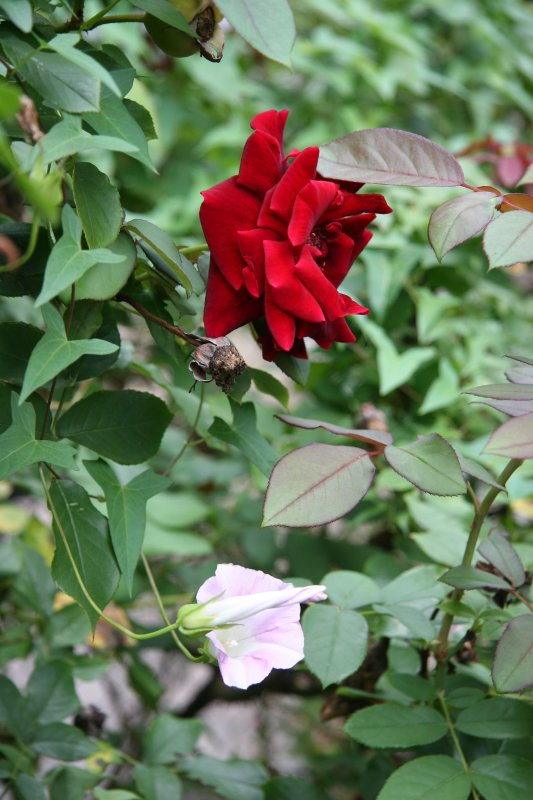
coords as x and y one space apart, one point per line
162 611
86 594
190 338
479 517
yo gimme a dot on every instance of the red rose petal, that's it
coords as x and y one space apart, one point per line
282 326
227 209
260 163
309 206
227 309
298 175
272 122
320 287
253 254
345 245
357 204
286 291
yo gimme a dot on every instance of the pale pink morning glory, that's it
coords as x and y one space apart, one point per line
261 615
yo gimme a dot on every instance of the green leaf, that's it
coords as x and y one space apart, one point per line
114 121
388 156
336 642
443 391
498 551
98 205
169 737
443 545
157 783
291 788
414 620
126 508
67 138
502 777
102 281
71 782
159 541
350 589
34 582
54 352
364 435
234 779
430 464
19 12
268 27
243 435
394 368
504 391
65 45
512 670
61 741
295 368
509 238
316 484
60 83
513 439
13 713
114 794
51 693
17 341
268 384
459 219
162 251
81 528
393 725
464 577
477 471
28 788
497 718
435 777
413 686
415 583
9 99
67 261
166 13
125 426
19 448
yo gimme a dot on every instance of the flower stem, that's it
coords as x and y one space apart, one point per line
190 338
479 517
138 636
190 437
455 738
162 611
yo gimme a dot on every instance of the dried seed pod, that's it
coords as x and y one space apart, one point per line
219 360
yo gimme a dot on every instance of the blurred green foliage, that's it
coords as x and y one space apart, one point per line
454 72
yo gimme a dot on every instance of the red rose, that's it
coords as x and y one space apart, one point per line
282 240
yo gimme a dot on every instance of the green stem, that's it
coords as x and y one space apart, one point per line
455 738
90 24
189 438
470 549
194 249
34 233
92 603
162 611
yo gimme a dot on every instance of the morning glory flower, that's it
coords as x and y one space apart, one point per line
260 619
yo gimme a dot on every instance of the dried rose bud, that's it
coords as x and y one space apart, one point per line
219 360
